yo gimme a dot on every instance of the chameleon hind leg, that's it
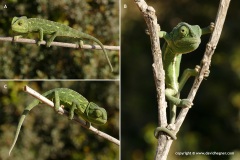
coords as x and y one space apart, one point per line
172 96
50 40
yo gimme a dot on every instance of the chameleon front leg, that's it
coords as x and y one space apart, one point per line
72 109
40 31
71 113
57 101
208 29
80 43
187 74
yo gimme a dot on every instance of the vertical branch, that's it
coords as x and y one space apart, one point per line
159 74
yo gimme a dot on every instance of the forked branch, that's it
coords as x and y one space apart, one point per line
151 21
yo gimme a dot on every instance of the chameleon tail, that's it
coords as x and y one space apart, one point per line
24 114
86 36
163 129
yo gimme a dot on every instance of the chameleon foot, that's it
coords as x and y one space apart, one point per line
163 129
48 44
197 70
211 26
80 44
39 43
185 103
88 124
15 38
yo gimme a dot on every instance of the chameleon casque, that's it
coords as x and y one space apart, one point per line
71 100
44 27
184 38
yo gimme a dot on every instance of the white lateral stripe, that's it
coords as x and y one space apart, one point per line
175 86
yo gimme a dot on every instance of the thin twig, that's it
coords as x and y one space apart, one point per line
62 111
60 44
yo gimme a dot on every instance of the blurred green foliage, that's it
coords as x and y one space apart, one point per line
213 123
46 135
97 18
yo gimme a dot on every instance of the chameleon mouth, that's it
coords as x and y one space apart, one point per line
96 114
18 30
186 45
188 41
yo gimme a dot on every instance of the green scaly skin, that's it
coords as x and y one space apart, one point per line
184 38
24 25
71 100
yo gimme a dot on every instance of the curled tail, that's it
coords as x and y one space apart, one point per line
86 36
24 114
163 129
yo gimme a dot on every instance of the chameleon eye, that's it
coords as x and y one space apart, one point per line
19 23
183 31
98 113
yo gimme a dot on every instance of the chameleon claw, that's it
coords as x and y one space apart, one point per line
206 73
88 124
211 26
147 32
197 68
185 103
39 43
48 44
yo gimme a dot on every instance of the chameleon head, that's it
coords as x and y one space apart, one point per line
185 37
96 114
20 24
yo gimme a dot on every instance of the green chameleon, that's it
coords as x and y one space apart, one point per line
71 100
25 25
184 38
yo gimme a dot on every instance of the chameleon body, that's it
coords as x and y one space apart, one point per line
71 100
25 25
184 38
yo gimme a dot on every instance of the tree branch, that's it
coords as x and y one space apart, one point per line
60 44
151 20
159 74
62 111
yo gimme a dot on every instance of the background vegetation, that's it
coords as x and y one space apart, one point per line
46 135
213 123
97 18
